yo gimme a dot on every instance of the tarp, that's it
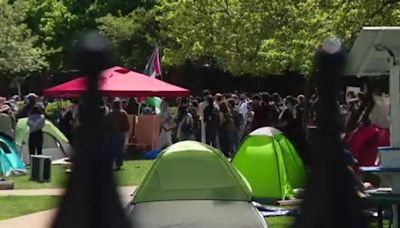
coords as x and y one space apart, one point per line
270 164
191 170
118 81
364 141
10 163
55 143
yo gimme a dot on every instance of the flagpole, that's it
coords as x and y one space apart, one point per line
159 59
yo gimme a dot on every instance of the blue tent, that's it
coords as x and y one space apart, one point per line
10 162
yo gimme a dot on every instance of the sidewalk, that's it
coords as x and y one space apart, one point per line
49 191
33 192
43 219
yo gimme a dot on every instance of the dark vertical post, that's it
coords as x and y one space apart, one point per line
331 199
91 199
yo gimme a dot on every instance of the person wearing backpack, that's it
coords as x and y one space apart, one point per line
185 127
211 121
238 121
226 129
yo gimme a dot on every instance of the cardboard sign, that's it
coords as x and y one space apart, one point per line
351 89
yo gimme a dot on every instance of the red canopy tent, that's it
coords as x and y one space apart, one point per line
119 82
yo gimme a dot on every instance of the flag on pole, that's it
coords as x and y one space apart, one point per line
153 67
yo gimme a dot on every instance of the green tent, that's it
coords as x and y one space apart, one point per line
10 162
192 170
193 185
55 144
271 164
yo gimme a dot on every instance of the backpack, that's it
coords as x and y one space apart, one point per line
196 118
186 126
215 120
237 117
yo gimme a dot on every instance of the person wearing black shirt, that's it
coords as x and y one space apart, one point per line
133 106
211 120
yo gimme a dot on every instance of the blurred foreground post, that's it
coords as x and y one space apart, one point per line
331 199
91 199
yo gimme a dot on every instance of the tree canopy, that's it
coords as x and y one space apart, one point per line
264 37
132 36
254 37
20 53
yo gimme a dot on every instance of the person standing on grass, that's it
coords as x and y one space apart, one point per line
185 126
194 110
36 122
261 111
225 129
117 123
202 106
238 121
167 124
211 121
244 109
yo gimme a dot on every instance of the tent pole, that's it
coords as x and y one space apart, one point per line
394 105
19 91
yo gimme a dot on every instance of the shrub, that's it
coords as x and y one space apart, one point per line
53 109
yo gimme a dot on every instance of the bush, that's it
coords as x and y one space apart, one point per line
53 109
19 105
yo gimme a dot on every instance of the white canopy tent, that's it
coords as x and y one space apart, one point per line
376 52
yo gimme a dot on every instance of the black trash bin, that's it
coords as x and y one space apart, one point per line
40 168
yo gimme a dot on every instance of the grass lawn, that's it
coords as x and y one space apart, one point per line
131 174
287 222
280 222
13 206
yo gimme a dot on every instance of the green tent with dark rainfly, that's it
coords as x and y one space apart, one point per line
10 162
193 185
270 164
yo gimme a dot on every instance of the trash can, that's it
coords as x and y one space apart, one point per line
40 168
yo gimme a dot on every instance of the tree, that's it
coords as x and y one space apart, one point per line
19 51
263 37
132 37
55 26
58 23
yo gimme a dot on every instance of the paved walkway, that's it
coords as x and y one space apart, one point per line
49 191
43 219
33 192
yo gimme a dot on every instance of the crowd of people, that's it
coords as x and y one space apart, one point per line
222 120
33 109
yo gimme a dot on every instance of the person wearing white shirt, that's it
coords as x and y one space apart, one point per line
167 124
244 109
202 106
